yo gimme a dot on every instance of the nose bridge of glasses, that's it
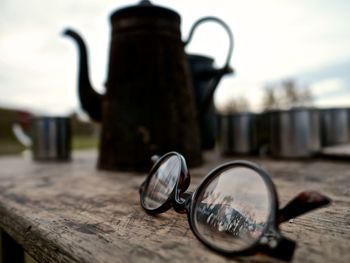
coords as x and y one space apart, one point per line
182 202
181 196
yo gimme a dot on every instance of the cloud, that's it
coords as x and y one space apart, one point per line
332 92
339 100
327 87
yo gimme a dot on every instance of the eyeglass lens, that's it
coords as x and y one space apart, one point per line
162 182
232 209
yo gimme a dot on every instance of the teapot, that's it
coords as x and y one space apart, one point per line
149 106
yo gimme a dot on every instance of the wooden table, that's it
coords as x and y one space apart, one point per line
70 212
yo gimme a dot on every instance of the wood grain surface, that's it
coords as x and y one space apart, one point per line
70 212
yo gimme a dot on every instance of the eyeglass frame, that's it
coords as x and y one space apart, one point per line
274 244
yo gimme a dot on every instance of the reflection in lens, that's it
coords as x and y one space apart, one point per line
162 182
232 209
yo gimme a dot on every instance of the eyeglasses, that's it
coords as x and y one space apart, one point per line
234 211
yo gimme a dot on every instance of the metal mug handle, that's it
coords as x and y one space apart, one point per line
21 135
227 29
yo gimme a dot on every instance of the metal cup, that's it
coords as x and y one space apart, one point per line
294 133
51 138
238 133
335 125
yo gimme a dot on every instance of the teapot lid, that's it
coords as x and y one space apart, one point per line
146 8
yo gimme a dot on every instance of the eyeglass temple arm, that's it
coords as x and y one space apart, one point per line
302 203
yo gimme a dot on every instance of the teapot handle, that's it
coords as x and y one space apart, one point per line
219 73
226 68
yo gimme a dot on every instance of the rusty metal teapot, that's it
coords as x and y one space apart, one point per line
149 105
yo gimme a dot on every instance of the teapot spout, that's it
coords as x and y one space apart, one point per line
90 100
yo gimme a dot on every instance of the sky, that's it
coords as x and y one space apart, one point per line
308 41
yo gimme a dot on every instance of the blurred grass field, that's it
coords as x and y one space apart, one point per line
79 142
